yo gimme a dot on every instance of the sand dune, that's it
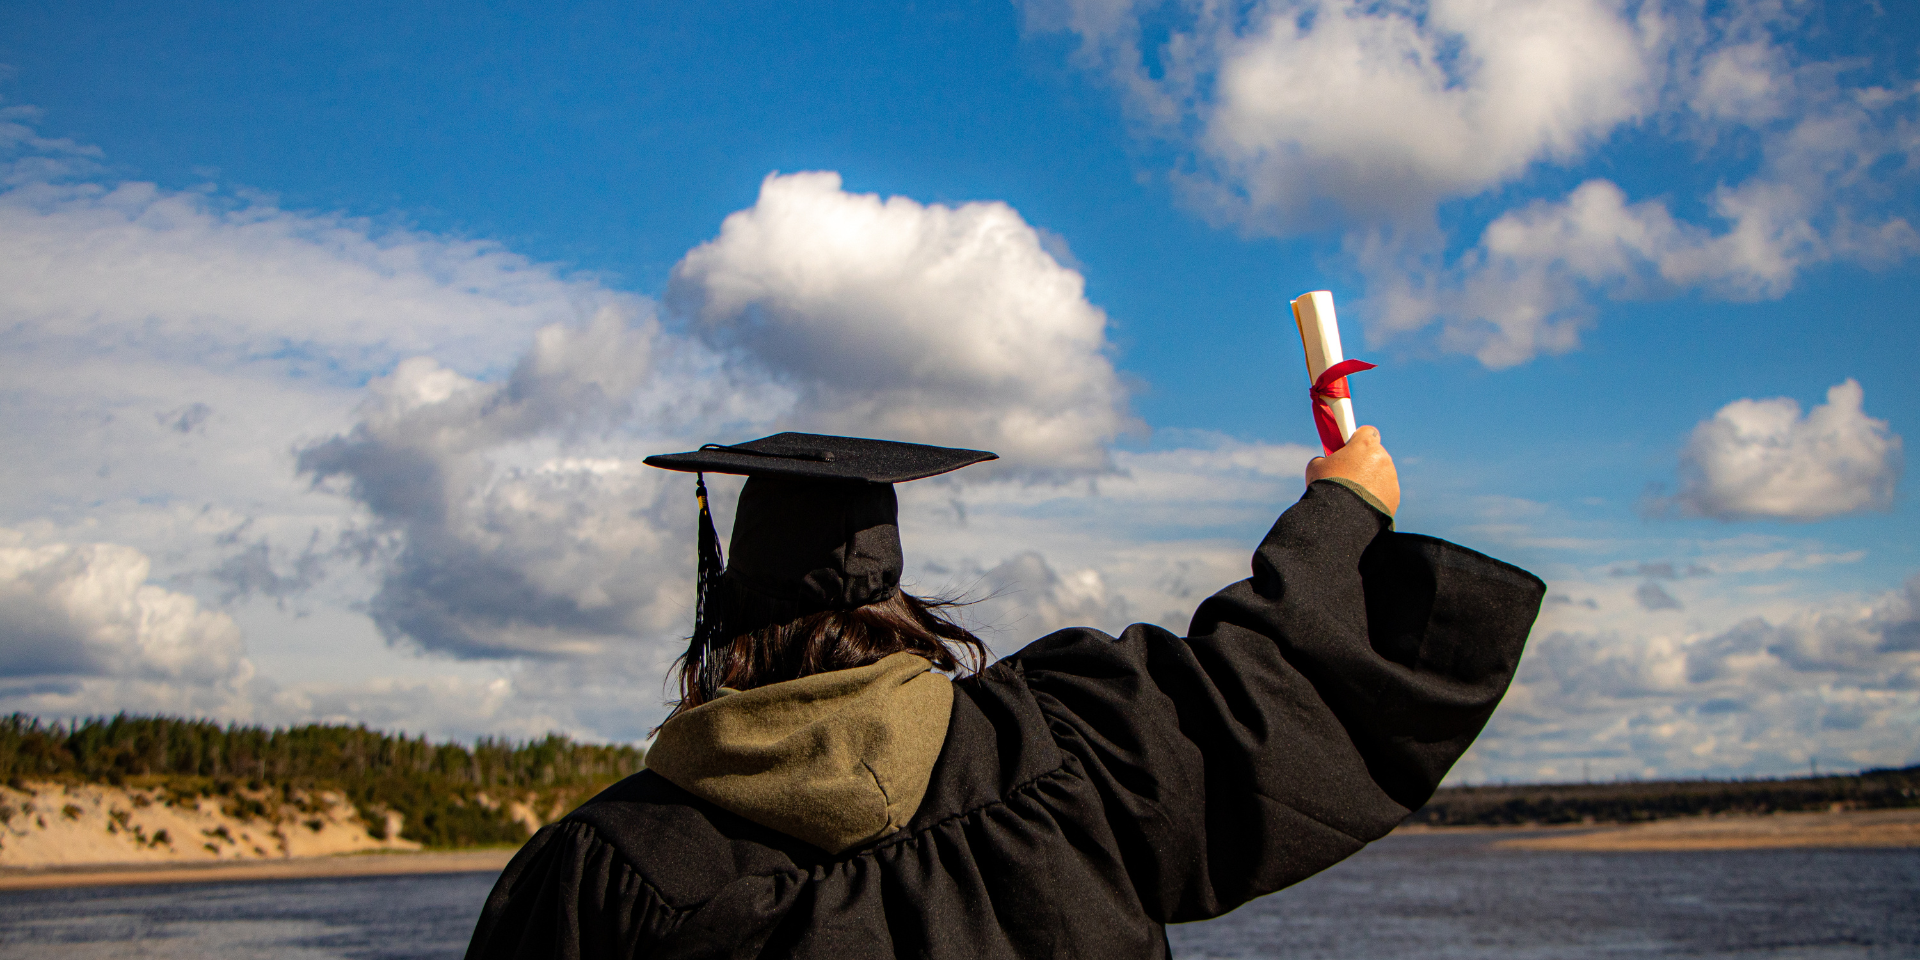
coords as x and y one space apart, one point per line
78 824
82 834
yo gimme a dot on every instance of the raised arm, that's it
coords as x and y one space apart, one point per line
1311 708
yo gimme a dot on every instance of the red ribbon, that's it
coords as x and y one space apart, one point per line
1332 385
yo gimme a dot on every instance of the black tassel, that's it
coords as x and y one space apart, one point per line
708 630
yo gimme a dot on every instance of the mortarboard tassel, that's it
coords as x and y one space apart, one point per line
708 631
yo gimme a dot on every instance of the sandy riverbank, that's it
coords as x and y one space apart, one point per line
292 868
80 825
84 834
1851 828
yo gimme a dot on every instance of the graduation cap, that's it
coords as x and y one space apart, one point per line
816 529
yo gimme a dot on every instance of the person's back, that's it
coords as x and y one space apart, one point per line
1071 799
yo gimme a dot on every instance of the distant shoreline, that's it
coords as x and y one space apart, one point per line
1640 801
1899 828
1845 829
490 860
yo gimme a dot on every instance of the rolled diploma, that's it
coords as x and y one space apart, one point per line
1320 335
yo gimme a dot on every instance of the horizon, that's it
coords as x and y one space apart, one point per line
70 727
334 339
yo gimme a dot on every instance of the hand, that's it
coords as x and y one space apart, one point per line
1365 462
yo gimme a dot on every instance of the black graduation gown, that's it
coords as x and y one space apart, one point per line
1091 788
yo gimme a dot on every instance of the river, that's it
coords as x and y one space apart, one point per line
1433 896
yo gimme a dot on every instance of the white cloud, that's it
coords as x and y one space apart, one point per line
1023 598
512 518
1529 286
1765 459
1786 560
575 572
1838 682
1147 543
516 518
168 354
166 350
1385 108
535 575
194 279
1299 109
503 538
449 706
947 325
87 610
1829 159
1366 118
33 158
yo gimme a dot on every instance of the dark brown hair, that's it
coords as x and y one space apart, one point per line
840 640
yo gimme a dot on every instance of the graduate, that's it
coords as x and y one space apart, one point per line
834 783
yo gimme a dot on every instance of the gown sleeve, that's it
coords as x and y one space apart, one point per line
1311 708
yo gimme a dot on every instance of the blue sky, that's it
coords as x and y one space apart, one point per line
335 336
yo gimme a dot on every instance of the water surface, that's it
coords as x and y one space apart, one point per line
1455 895
1429 896
336 918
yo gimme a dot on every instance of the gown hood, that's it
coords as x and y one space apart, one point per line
836 759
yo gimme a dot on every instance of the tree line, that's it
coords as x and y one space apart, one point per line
1630 802
448 794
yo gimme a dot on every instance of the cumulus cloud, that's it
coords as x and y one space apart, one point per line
511 518
1303 109
1839 682
344 420
1765 459
434 443
501 543
1308 115
480 457
1530 285
1827 159
1773 650
165 349
88 610
170 355
921 322
514 519
586 615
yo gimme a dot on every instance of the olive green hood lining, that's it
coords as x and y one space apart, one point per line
836 759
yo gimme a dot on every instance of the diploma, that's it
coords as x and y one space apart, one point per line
1327 368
